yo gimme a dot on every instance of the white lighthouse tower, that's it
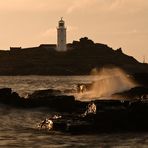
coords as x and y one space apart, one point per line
61 36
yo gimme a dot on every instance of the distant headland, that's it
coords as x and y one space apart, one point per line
79 59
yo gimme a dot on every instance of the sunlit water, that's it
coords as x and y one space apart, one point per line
18 127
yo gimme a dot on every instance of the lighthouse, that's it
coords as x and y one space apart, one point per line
61 36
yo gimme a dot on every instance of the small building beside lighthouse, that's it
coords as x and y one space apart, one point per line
61 36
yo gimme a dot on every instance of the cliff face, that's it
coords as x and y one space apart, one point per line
80 59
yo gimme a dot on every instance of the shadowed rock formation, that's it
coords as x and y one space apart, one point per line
110 116
82 56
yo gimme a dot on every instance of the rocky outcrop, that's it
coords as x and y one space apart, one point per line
82 56
8 97
110 116
52 99
136 92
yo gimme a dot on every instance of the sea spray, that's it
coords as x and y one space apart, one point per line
106 82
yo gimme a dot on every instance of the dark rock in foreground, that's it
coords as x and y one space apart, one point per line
44 98
111 115
136 92
44 93
10 98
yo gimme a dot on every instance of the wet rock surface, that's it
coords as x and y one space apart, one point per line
110 115
43 98
8 97
140 92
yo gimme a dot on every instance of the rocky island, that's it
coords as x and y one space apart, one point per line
79 59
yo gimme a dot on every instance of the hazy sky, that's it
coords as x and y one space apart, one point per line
118 23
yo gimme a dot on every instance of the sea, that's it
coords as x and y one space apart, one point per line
18 126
